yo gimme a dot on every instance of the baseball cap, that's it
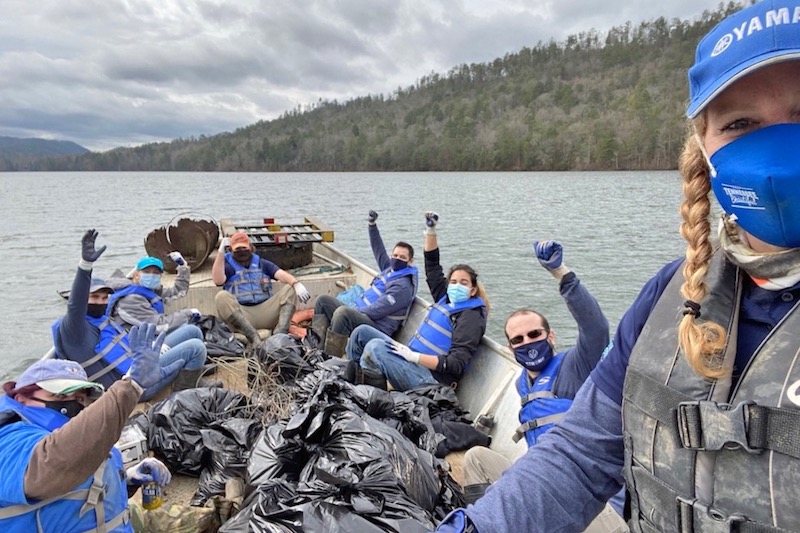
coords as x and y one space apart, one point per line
760 35
59 376
147 261
240 240
98 284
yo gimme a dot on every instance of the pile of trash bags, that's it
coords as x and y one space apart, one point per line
348 458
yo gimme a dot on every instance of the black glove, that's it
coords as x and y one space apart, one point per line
372 216
88 251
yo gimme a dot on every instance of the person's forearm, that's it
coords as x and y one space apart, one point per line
218 270
431 242
282 275
68 456
180 287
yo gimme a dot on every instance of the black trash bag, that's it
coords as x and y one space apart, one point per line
459 433
288 357
318 507
229 443
175 424
345 438
219 339
275 456
450 497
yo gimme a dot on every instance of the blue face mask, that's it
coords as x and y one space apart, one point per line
398 264
150 281
757 179
535 355
457 293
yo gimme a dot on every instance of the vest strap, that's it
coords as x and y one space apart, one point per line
535 396
706 425
519 433
652 397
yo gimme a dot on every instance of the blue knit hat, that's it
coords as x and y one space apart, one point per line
760 35
145 262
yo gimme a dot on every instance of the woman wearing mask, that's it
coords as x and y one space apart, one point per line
445 341
696 401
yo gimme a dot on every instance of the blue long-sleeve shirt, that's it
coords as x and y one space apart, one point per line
562 483
398 294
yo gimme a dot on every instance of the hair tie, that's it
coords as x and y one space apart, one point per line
691 308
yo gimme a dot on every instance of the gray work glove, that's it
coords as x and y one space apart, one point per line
89 254
372 217
177 258
431 219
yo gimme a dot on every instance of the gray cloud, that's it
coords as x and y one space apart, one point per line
107 73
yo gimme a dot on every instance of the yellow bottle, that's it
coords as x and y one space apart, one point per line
151 496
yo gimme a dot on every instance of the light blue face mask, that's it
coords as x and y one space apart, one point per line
150 281
757 178
457 293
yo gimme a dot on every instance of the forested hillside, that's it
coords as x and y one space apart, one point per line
594 102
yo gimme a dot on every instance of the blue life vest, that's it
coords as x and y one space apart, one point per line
250 285
378 287
151 296
540 409
102 498
112 348
435 334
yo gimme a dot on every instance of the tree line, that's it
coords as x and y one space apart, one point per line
596 101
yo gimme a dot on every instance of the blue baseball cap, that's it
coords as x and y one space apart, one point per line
762 34
147 261
59 376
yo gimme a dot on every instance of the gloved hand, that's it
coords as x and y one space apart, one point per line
150 469
223 244
431 219
177 258
302 293
372 217
551 256
145 368
197 316
164 349
401 350
88 252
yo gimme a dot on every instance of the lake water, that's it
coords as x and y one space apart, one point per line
617 229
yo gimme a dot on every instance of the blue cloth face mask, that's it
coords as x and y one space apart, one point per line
398 264
535 355
150 281
757 179
457 293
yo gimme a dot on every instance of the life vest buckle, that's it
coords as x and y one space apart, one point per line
706 426
694 515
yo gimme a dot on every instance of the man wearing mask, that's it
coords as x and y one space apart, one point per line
59 469
87 334
247 302
549 380
384 305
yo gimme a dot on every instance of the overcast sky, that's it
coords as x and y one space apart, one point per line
107 73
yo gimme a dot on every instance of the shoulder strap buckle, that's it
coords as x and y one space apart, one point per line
705 425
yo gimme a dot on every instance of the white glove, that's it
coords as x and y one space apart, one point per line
302 293
164 349
224 243
177 258
401 350
431 219
150 469
196 315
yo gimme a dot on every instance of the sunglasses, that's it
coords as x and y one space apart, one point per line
532 335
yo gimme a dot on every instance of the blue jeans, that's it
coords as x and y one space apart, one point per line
185 343
367 346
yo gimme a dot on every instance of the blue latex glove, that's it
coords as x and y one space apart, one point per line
457 522
372 216
177 258
145 368
88 252
148 470
401 350
549 253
